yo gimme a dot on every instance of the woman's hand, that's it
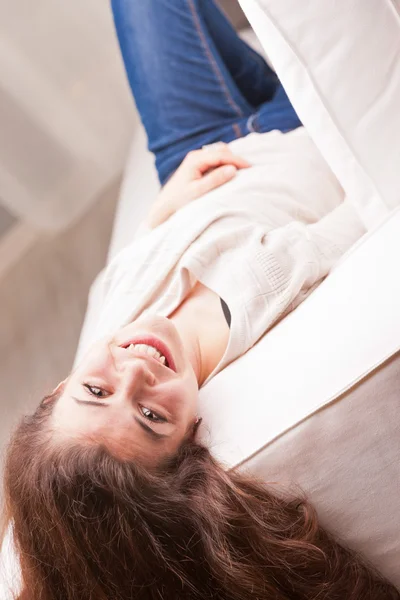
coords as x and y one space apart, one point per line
200 172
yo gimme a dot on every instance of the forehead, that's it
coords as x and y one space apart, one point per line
70 416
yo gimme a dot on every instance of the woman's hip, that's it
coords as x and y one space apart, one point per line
276 114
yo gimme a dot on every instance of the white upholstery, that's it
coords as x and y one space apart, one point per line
291 408
346 458
339 63
311 354
315 401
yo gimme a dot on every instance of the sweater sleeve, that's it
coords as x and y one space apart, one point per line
293 259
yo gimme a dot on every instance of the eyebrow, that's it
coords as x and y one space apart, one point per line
91 402
153 434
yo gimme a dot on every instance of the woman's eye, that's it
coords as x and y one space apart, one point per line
94 390
151 415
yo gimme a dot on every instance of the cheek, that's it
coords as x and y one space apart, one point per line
189 398
183 397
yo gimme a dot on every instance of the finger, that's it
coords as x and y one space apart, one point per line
218 158
223 151
203 160
214 179
215 146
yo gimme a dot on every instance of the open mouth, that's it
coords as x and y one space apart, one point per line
152 347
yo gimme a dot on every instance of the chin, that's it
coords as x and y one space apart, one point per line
150 324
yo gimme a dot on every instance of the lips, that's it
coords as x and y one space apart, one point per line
157 344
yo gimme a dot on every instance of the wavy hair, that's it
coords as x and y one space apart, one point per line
90 526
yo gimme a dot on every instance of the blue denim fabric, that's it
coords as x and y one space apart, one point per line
195 82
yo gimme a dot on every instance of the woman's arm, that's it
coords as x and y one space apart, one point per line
306 253
200 172
291 260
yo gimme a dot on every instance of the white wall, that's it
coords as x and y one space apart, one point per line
66 114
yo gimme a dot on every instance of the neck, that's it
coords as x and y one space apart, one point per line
203 330
192 344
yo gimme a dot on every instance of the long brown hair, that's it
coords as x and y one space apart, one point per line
90 526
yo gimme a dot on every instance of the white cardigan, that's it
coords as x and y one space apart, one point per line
261 242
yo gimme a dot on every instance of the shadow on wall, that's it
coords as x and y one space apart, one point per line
6 220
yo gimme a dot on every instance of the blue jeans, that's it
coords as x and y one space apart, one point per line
195 82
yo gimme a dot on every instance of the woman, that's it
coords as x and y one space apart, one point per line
109 493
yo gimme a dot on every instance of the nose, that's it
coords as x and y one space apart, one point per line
135 375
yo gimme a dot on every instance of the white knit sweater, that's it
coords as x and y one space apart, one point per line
261 242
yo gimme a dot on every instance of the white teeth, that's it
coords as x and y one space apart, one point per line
141 348
149 350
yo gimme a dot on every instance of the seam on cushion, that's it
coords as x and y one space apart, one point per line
335 398
212 61
322 102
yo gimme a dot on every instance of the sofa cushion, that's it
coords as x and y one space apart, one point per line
300 406
299 388
346 458
339 64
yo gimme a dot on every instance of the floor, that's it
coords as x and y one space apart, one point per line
42 306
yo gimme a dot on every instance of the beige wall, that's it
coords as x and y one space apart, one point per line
66 113
235 13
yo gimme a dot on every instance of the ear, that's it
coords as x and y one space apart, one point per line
60 387
56 392
196 425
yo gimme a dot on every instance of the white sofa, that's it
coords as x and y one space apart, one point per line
316 402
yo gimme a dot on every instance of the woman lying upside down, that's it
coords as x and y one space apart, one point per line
109 493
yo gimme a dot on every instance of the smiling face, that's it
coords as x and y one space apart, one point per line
136 391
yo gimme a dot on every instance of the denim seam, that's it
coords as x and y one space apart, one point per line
211 59
256 55
237 131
